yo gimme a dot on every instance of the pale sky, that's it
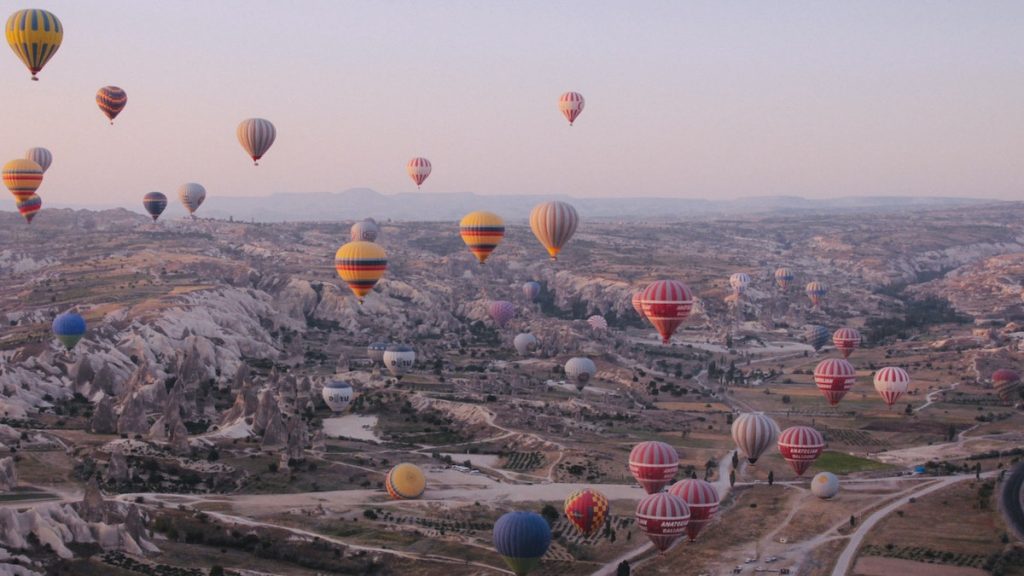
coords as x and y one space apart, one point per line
687 99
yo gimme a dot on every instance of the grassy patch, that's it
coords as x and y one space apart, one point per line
840 463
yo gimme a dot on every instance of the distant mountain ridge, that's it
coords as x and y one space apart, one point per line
359 203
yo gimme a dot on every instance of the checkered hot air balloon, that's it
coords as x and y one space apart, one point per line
666 304
702 499
891 382
654 465
801 446
571 105
834 377
587 510
663 518
418 169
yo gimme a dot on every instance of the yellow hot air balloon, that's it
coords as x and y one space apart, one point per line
22 177
361 264
35 36
405 482
482 232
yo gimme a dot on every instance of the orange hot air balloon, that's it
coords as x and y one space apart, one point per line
361 265
22 177
482 232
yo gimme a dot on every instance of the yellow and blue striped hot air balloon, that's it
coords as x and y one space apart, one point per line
35 36
22 177
111 101
482 231
361 264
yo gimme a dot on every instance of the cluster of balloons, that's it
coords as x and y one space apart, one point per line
754 432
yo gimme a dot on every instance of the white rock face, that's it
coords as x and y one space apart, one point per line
8 476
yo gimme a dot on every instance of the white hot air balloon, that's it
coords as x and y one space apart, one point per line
40 156
337 395
579 371
192 196
399 359
825 485
524 343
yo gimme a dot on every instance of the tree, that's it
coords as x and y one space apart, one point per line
735 458
908 410
771 478
216 570
853 521
550 513
732 477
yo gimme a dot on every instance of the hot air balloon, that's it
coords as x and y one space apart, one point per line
111 101
571 105
638 303
22 177
29 206
834 377
154 203
666 305
256 136
846 340
337 395
891 382
598 323
35 36
366 230
524 343
375 351
69 328
801 446
501 311
579 371
361 265
816 291
405 482
522 538
553 223
753 433
817 336
192 196
783 278
663 517
399 359
654 465
531 290
702 499
418 169
1007 384
739 282
586 510
40 156
482 232
825 485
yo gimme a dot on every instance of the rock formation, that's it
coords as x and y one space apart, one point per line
8 475
104 419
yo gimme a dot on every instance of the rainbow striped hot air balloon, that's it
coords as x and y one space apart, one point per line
586 510
531 290
554 223
666 304
801 446
361 265
783 278
834 377
29 206
35 36
522 538
702 499
111 101
40 156
571 105
405 482
418 169
739 282
155 203
482 232
22 177
256 136
69 328
816 291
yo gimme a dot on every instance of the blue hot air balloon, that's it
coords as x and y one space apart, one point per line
154 203
531 290
522 538
817 336
69 328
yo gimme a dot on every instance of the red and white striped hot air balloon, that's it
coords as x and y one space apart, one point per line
638 304
571 104
846 340
801 446
418 169
598 323
702 499
666 304
891 382
753 433
834 377
663 517
654 465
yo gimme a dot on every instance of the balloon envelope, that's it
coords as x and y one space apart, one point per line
399 359
29 206
638 303
111 101
40 156
337 394
361 265
667 303
846 340
702 499
597 323
739 282
34 36
69 328
784 277
571 105
22 177
405 482
366 230
418 169
817 336
522 538
825 485
155 203
524 343
531 290
891 382
816 291
834 377
753 433
256 136
482 232
654 465
801 446
192 196
663 518
587 510
375 351
553 223
579 371
501 311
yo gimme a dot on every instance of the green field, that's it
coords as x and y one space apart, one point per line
840 463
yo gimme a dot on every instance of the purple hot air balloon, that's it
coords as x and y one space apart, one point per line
501 312
531 290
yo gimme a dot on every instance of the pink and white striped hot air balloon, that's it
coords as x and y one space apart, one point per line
571 104
663 517
891 382
638 303
654 465
846 340
418 169
666 304
834 377
702 498
598 323
801 446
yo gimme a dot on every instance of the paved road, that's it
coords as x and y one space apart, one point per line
1012 500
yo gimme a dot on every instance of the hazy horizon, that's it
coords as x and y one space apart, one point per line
705 100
